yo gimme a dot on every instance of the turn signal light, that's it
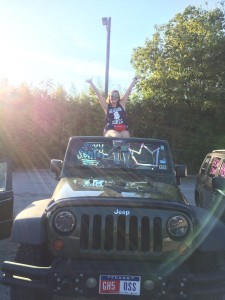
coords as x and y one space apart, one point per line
58 245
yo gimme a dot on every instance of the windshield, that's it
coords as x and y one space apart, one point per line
109 153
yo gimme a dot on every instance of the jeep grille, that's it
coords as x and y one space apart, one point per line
116 233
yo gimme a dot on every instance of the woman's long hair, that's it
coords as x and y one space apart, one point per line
109 96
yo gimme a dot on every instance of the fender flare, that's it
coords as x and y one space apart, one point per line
209 233
29 226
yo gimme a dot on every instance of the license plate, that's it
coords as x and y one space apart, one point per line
120 284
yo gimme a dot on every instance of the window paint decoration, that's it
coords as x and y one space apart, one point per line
119 153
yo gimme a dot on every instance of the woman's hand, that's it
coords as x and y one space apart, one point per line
89 80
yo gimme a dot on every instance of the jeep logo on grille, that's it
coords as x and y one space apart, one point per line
121 212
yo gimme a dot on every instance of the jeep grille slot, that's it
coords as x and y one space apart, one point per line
108 235
133 234
145 234
157 235
96 234
84 231
119 233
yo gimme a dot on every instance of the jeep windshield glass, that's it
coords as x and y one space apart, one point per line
132 154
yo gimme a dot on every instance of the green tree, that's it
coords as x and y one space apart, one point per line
184 61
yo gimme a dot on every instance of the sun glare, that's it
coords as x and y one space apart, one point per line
13 59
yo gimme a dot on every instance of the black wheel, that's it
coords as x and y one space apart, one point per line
35 255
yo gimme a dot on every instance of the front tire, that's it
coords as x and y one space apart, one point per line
34 255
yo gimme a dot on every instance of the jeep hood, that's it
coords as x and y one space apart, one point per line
109 187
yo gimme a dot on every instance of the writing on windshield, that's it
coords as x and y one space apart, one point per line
118 153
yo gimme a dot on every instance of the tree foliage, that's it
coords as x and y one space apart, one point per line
184 61
36 124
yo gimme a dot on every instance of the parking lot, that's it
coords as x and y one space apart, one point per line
39 184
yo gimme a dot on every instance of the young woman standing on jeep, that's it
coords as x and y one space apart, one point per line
114 108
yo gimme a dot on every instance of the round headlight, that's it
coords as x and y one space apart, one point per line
64 221
177 226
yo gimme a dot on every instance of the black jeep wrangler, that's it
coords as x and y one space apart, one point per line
116 227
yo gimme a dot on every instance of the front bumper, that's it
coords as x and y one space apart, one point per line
67 277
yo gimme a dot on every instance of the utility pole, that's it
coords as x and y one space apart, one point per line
107 22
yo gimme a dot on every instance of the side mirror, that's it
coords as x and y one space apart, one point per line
56 167
218 183
180 171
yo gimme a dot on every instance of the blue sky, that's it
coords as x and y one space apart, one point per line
65 41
